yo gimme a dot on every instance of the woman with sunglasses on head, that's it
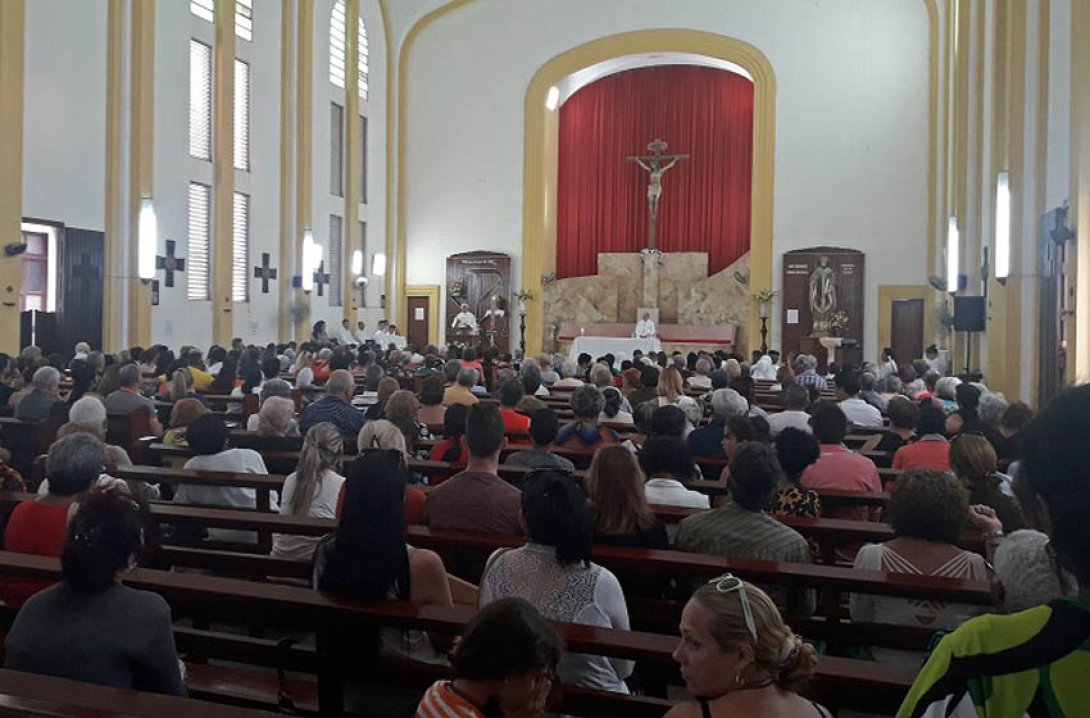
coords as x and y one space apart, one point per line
383 437
738 658
554 572
367 559
504 665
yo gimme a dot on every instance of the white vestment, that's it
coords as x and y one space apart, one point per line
465 320
645 329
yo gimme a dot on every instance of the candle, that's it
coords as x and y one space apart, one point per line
495 300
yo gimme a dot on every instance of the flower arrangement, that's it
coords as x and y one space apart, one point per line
838 323
523 295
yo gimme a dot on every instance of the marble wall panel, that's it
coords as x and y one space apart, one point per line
677 271
625 271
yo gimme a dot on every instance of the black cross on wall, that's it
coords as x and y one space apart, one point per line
321 278
264 273
170 263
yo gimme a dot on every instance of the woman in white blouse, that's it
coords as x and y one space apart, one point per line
312 489
554 572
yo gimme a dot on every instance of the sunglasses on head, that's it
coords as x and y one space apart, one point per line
729 583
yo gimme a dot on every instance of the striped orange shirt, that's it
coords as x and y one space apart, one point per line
441 701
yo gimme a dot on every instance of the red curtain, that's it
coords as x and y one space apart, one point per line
705 203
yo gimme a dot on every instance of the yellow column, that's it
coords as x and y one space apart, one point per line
12 31
304 170
141 155
113 295
1078 365
223 173
287 227
354 160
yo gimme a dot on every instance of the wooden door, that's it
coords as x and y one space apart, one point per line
417 333
906 330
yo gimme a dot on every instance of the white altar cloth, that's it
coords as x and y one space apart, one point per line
620 347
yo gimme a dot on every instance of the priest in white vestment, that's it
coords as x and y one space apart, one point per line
345 335
465 321
645 328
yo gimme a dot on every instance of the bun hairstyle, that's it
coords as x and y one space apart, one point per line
789 661
104 536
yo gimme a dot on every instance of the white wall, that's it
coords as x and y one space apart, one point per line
851 130
64 116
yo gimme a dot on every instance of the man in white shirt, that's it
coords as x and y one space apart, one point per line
392 337
361 333
645 328
664 459
935 360
344 334
382 338
859 412
465 321
795 400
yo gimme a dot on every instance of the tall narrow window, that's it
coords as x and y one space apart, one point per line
242 115
336 150
200 228
336 263
337 44
240 248
363 160
200 100
361 60
244 19
204 9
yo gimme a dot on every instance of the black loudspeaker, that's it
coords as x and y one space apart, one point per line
969 314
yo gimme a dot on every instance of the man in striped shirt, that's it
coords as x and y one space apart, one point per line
808 376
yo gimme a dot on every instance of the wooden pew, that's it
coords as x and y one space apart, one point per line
127 429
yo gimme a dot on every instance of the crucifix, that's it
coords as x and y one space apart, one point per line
321 278
170 263
655 164
264 273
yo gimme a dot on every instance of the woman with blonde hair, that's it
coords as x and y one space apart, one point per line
974 461
739 657
275 417
181 385
312 490
304 372
671 392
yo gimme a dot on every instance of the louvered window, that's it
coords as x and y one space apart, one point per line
336 150
337 44
242 115
244 19
196 264
361 59
240 248
336 261
363 160
200 100
204 9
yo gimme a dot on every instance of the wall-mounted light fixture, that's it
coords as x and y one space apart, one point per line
1002 226
148 240
953 239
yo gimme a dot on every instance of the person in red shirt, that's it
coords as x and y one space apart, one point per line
838 467
39 527
513 422
453 447
931 450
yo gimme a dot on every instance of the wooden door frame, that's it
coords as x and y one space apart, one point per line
431 291
887 294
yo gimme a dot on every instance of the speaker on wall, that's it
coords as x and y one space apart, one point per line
969 314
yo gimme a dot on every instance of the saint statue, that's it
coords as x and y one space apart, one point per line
822 295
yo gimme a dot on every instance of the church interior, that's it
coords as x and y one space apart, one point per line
702 230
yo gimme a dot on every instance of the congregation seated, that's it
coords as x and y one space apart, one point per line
39 527
741 528
806 374
927 510
612 407
530 376
335 407
973 461
739 658
615 488
304 372
1007 438
84 380
277 388
903 418
402 409
127 397
794 415
461 391
858 411
796 449
544 426
452 448
569 376
554 573
648 389
477 499
225 378
666 462
505 661
671 392
88 416
89 627
182 414
967 417
838 467
586 404
181 386
275 423
510 395
383 436
431 402
312 489
207 437
43 400
930 450
367 558
707 440
868 392
701 379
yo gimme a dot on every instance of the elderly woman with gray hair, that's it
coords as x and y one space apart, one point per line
273 388
587 404
39 527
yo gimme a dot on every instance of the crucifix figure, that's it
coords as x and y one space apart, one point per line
264 273
655 164
321 278
170 263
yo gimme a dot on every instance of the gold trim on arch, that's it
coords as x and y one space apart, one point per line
540 153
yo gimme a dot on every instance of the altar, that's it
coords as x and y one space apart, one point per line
598 338
620 347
